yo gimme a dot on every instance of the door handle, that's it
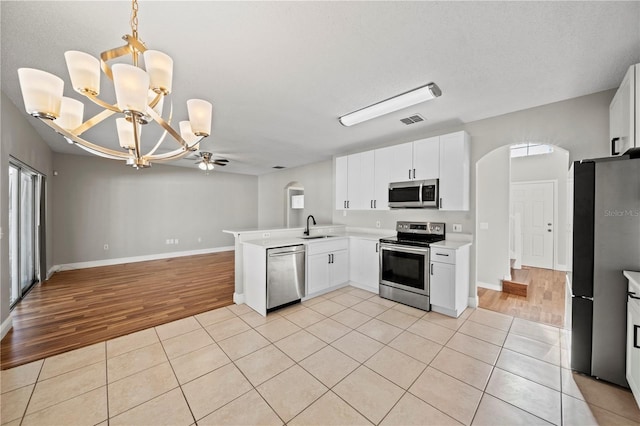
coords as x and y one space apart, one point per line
613 146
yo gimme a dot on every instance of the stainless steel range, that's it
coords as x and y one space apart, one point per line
404 263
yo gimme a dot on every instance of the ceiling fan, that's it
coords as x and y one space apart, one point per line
206 162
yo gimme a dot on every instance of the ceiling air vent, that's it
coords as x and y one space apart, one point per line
413 119
279 167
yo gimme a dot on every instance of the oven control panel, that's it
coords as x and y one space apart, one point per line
437 228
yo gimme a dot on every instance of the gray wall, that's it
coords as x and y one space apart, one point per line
317 180
21 141
98 202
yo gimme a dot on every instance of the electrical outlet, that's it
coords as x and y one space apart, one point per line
106 246
266 234
457 227
377 224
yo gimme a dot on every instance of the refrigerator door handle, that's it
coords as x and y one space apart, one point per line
632 295
583 297
614 151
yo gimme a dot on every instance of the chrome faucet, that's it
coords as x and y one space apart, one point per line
306 231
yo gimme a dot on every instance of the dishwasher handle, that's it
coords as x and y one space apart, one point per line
286 251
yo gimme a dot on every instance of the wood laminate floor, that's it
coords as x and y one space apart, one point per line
545 301
85 306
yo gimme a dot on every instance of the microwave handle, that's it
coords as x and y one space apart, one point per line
420 192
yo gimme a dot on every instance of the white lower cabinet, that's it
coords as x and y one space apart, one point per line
633 335
449 280
363 263
327 265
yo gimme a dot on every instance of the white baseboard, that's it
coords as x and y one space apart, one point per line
51 271
496 287
6 326
121 260
372 289
561 267
238 298
473 302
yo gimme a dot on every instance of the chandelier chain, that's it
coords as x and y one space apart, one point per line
134 18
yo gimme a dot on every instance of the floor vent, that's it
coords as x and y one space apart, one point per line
413 119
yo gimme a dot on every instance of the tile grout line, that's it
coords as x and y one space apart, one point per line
26 407
106 376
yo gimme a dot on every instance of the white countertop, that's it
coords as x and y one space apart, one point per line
449 244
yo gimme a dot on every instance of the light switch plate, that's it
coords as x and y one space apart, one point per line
457 227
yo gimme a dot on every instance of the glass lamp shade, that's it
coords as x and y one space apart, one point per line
125 133
84 71
71 112
41 92
132 86
200 116
202 166
160 69
187 133
209 166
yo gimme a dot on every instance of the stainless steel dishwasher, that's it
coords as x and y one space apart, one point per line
285 275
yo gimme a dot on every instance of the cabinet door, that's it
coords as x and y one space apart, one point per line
363 262
361 180
454 171
622 115
400 162
426 159
382 178
342 182
633 352
339 268
443 285
317 272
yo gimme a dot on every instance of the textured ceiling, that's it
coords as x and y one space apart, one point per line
280 73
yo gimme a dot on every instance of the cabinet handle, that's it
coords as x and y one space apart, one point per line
632 295
371 203
344 204
441 254
613 146
414 173
431 269
328 258
347 203
409 174
377 247
440 202
375 204
635 336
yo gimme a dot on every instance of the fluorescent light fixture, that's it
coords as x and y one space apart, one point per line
396 103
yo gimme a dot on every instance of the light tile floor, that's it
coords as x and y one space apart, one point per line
345 358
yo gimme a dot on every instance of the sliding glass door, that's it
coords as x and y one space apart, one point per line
26 199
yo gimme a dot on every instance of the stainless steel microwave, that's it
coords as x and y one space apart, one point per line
417 194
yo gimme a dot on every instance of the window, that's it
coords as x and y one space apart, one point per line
530 148
26 208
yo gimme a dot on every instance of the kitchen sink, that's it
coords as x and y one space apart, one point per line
316 237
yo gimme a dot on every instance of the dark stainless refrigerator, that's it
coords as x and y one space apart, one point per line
606 241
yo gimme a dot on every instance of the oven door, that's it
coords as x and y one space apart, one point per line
406 268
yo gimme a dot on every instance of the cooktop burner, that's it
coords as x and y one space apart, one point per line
417 234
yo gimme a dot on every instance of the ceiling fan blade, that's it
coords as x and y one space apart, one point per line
218 163
222 160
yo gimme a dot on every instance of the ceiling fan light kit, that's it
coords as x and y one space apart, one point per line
139 94
396 103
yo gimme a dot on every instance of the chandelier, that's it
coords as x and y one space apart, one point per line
140 95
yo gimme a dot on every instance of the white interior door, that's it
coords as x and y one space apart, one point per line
535 204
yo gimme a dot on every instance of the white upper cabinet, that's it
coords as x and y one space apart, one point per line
400 162
624 114
454 171
342 182
362 179
426 159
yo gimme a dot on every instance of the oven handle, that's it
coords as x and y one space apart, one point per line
405 249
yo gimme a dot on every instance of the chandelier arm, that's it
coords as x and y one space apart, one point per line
113 54
169 129
101 103
164 134
101 116
168 156
96 149
136 137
